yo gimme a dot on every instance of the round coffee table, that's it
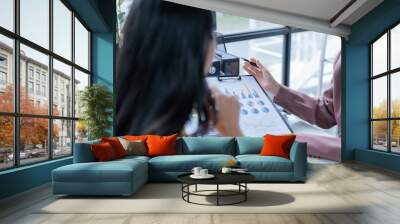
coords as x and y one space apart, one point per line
238 179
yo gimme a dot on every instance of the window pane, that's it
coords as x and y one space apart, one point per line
268 50
62 138
311 61
62 89
35 21
6 142
379 98
34 72
395 136
81 81
81 131
6 74
395 47
395 95
7 14
81 45
62 29
379 135
379 56
33 139
228 24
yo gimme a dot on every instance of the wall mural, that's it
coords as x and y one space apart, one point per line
122 12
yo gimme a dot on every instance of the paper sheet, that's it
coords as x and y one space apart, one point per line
258 115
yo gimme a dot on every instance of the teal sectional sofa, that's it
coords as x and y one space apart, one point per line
125 176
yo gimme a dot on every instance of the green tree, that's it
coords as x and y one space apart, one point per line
96 102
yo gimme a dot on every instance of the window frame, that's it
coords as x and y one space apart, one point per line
388 74
16 115
286 32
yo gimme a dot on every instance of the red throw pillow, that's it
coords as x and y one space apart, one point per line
277 145
161 145
103 152
116 145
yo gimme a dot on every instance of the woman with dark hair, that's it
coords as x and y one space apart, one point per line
166 51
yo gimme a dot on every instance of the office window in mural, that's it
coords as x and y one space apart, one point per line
385 96
42 126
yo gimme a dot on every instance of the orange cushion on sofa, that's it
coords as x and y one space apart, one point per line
161 145
277 145
103 152
136 137
116 145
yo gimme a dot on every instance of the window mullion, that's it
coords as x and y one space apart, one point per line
16 84
389 101
286 58
50 81
73 83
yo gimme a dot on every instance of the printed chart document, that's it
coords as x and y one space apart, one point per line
258 115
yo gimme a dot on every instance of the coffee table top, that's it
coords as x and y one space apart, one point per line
220 178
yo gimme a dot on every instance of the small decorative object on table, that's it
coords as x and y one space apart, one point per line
232 166
200 173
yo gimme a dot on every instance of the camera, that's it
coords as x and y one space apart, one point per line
224 64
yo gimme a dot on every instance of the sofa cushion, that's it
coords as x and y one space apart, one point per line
277 145
185 163
206 145
161 145
257 163
112 171
116 145
135 147
249 145
103 152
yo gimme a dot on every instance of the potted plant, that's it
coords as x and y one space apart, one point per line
96 103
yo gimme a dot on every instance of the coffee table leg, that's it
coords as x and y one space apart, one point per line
188 189
245 193
217 194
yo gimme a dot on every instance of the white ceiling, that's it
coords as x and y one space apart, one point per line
316 15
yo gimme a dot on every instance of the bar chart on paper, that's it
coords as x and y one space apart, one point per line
258 115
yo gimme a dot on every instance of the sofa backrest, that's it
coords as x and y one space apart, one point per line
83 152
206 145
249 145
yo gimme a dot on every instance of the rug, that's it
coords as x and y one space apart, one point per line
166 198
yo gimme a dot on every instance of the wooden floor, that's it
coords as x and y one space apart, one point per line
379 189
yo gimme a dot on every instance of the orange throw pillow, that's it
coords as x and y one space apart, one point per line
103 152
116 145
277 145
161 145
136 138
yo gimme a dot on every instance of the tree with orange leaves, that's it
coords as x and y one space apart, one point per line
33 131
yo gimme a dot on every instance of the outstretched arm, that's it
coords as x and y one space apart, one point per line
316 111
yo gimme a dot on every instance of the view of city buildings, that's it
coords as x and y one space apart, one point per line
43 121
34 99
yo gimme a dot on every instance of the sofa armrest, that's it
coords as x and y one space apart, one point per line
298 155
83 152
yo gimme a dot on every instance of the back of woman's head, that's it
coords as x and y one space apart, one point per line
160 68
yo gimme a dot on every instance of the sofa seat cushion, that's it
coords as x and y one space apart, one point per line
257 163
185 163
113 171
133 158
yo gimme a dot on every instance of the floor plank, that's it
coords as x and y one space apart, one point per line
378 190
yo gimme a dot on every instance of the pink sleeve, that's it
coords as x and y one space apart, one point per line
315 111
322 146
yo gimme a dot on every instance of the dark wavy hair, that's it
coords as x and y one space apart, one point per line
160 68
